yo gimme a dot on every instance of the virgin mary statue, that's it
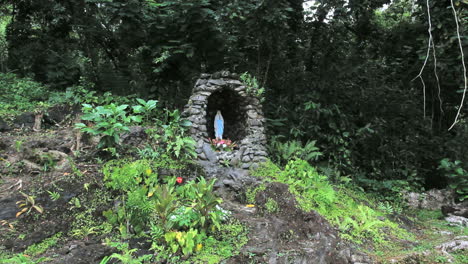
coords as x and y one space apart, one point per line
219 125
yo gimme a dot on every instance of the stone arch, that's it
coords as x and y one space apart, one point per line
244 120
233 109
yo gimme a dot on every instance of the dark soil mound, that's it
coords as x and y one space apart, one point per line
288 234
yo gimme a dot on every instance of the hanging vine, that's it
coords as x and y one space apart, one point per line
463 64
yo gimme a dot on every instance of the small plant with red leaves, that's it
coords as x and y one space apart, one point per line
222 144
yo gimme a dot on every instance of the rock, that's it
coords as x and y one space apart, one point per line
239 89
201 82
217 82
59 113
246 158
234 161
84 253
199 97
4 127
210 154
8 208
433 199
436 198
31 167
216 75
135 136
459 243
63 166
232 184
235 83
194 111
344 253
254 122
5 143
225 74
205 76
25 120
246 166
412 198
457 220
202 156
360 259
456 209
56 155
252 114
234 76
254 166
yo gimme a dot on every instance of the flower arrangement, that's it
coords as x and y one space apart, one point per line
222 144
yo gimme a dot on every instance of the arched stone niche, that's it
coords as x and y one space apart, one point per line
243 120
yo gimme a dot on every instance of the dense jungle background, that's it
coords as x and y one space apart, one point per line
368 92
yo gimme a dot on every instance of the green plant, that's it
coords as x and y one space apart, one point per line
19 95
441 259
389 208
166 204
125 175
177 143
283 152
184 217
174 216
457 177
109 121
145 108
271 206
75 202
148 153
251 193
205 202
18 144
127 256
141 195
27 204
48 162
54 196
460 256
22 259
43 246
185 241
252 86
84 232
75 170
222 245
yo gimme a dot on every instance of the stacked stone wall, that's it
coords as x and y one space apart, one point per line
251 149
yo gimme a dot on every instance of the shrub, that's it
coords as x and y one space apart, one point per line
109 121
170 133
20 95
283 152
177 217
457 177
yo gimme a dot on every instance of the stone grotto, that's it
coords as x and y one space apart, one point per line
243 120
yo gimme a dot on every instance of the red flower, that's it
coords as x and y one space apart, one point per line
179 180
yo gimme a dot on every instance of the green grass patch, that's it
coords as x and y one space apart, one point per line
43 246
355 220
